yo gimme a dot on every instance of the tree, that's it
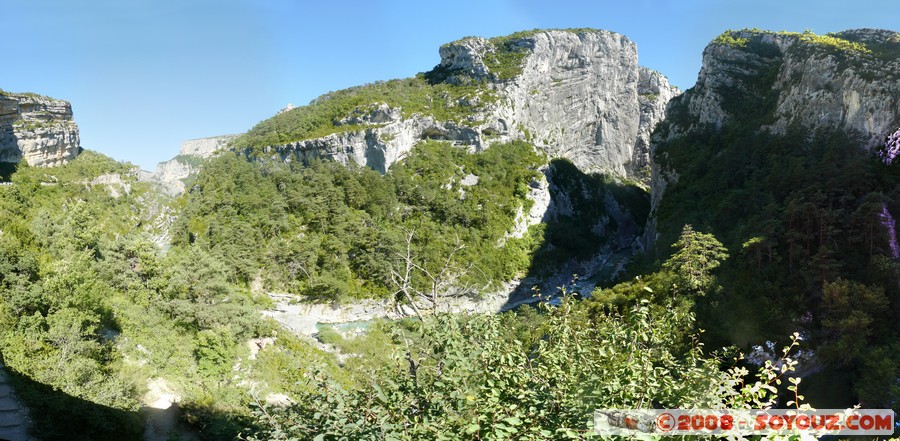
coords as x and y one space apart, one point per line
471 377
416 281
215 352
697 255
853 314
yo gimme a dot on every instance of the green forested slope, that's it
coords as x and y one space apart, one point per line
801 214
91 308
333 232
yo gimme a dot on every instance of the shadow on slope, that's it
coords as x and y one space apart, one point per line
592 226
56 415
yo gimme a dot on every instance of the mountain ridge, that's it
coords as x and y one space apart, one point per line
780 80
535 86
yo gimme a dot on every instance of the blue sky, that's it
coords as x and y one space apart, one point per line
144 75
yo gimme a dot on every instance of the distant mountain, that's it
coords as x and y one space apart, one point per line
173 174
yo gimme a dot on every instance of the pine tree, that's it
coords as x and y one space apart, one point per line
696 255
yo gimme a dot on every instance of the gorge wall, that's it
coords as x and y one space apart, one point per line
849 81
37 129
171 174
575 94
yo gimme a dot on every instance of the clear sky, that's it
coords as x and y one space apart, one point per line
144 75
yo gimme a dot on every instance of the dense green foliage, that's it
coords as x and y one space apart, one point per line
524 375
90 309
480 377
54 241
801 215
335 232
444 102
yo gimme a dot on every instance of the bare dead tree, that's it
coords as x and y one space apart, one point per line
403 279
442 281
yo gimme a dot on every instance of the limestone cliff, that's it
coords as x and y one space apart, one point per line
38 129
576 94
848 81
171 174
816 83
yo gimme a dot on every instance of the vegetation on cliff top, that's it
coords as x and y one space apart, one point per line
425 94
24 94
508 53
802 215
833 42
323 116
528 33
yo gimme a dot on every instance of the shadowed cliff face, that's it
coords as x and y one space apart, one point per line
38 129
779 82
813 82
578 95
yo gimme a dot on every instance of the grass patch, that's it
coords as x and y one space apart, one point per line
416 95
832 42
727 39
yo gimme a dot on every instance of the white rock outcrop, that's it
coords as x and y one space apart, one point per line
37 129
205 147
816 88
859 95
172 173
580 95
808 85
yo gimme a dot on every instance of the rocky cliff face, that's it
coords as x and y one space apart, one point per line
857 92
817 85
579 95
38 129
205 147
172 173
848 81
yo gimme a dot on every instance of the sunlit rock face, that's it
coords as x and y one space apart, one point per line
172 174
801 82
579 95
891 148
813 85
888 222
37 129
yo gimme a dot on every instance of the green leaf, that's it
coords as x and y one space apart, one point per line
513 420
